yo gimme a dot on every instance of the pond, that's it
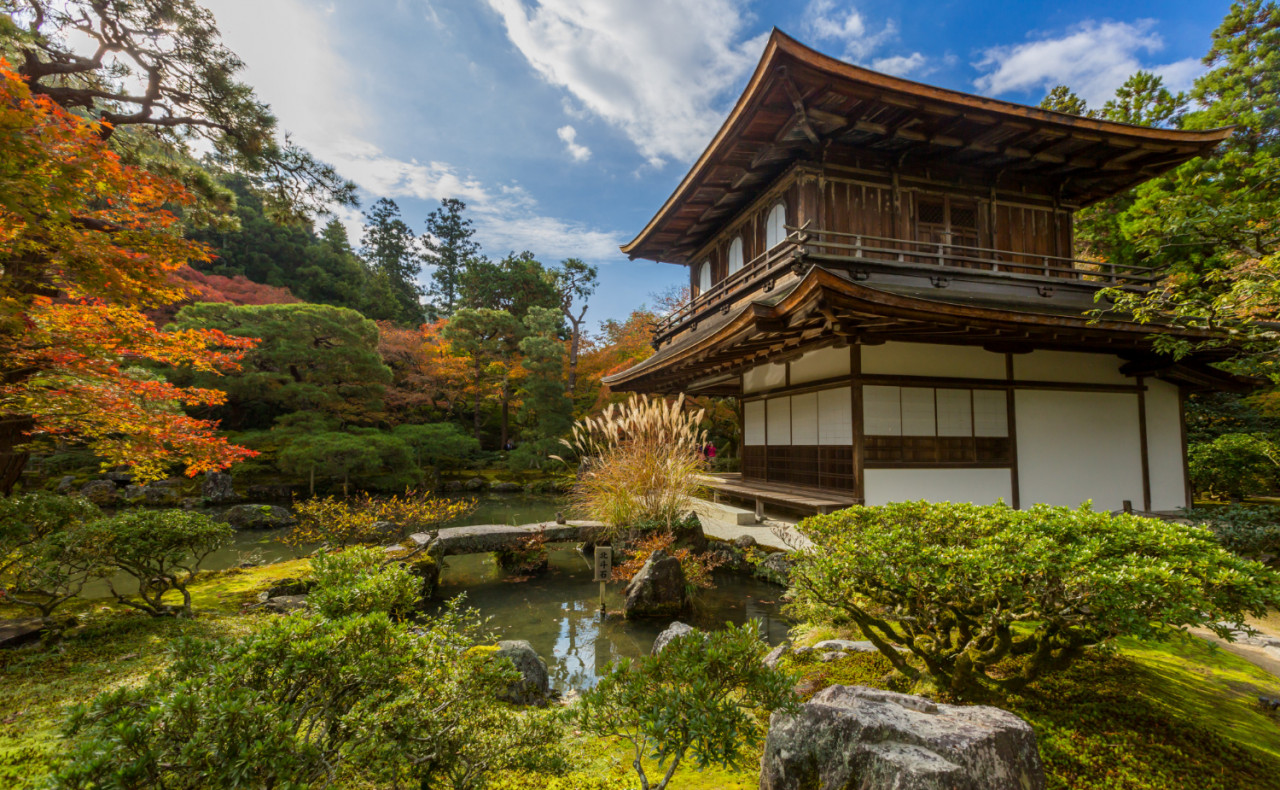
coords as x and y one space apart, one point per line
559 612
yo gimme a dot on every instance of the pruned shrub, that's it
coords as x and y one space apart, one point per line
706 696
161 550
1234 466
45 556
1249 530
306 700
366 520
640 462
361 580
995 596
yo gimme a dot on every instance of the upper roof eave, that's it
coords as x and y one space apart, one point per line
781 48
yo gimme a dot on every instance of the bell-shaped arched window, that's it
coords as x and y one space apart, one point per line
735 255
775 230
704 277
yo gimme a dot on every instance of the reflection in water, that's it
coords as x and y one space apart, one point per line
559 612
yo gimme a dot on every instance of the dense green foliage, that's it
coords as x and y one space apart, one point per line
392 251
45 555
449 250
1234 466
361 580
967 588
702 696
160 550
1248 530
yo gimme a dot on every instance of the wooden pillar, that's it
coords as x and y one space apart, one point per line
1142 444
899 222
1015 495
855 398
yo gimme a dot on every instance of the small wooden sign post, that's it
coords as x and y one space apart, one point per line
604 569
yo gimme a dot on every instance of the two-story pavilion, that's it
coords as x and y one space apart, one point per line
882 273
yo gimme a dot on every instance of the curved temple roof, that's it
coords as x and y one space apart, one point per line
799 102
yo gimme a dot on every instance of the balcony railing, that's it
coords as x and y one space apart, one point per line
842 250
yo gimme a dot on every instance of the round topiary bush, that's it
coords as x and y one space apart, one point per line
991 595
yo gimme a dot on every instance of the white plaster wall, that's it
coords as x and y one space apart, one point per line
835 416
1069 366
764 377
1077 446
979 486
778 411
753 422
1164 446
804 418
932 359
824 363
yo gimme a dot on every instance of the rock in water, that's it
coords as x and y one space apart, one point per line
657 589
775 568
674 631
257 517
218 488
102 493
162 492
533 687
858 737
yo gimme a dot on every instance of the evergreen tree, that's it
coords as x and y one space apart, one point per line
392 251
1061 99
489 340
546 410
449 250
1144 100
514 284
575 281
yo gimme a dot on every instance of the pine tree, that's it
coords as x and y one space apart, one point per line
392 251
1144 100
450 249
1061 99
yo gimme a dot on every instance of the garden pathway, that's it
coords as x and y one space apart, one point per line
1262 650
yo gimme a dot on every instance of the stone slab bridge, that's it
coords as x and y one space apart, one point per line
484 538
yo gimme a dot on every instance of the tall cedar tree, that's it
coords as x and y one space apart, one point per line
86 244
449 250
391 249
545 409
489 339
575 281
1211 223
191 92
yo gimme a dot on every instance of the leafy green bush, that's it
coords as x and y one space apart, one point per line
305 700
45 558
703 694
964 588
361 580
160 549
1234 466
1249 530
440 444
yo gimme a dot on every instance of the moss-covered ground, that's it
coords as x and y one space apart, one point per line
1171 715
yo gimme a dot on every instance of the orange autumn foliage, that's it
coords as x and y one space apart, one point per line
87 243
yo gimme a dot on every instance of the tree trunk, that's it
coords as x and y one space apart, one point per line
12 433
574 338
313 480
477 411
506 409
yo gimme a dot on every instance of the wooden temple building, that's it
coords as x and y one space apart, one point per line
882 272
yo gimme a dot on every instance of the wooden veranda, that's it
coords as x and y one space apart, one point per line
805 499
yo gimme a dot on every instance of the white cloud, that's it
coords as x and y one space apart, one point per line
1093 59
900 65
824 22
655 70
311 89
569 135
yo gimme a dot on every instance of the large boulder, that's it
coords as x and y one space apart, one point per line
657 589
775 568
134 494
427 569
672 632
102 493
853 737
506 488
67 485
476 484
218 488
534 685
163 492
284 604
257 517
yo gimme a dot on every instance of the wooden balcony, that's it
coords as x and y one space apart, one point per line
834 250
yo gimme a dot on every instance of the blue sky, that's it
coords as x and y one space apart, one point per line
564 124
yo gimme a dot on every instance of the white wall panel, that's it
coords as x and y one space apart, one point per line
882 411
835 416
753 422
764 377
804 418
1069 366
918 417
1164 446
990 413
979 486
824 363
932 359
1077 446
955 412
779 421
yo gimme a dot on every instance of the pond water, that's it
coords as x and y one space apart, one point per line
559 612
